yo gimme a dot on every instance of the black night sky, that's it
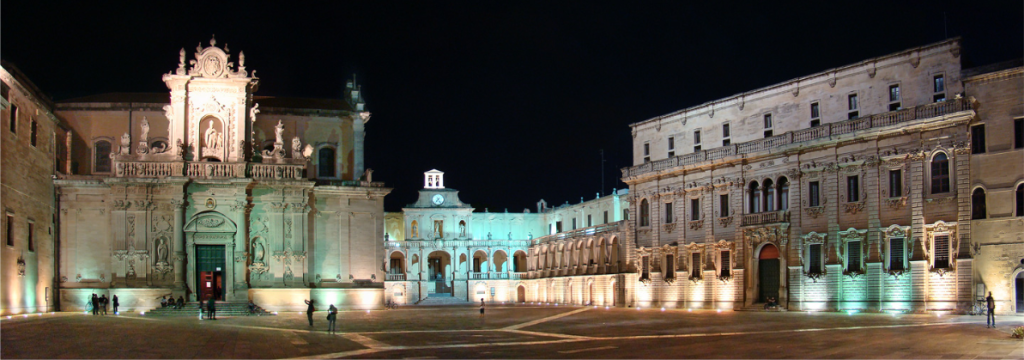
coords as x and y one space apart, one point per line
512 100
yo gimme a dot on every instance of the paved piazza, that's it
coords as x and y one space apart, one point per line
514 332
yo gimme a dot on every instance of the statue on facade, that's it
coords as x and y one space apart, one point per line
161 250
180 149
510 235
462 229
278 152
279 133
212 137
297 148
144 139
257 252
489 235
529 236
414 231
126 144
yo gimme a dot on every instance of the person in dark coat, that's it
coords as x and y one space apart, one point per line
114 300
332 317
95 304
181 302
990 319
481 306
309 311
103 303
211 309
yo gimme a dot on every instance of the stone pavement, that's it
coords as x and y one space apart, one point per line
513 332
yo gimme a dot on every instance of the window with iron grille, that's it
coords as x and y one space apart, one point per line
896 252
853 256
814 259
942 251
726 266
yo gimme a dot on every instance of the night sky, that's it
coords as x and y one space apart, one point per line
512 100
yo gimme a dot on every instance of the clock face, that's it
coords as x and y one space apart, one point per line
437 199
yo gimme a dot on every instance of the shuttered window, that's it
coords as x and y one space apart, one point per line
941 251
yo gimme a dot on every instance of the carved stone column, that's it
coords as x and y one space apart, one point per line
178 206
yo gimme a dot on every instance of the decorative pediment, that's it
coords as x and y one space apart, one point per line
210 221
814 238
214 62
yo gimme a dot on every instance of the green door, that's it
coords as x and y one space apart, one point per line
210 271
768 270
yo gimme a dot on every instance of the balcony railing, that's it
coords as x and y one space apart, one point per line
479 276
766 218
277 171
134 169
815 133
215 170
517 275
587 231
395 277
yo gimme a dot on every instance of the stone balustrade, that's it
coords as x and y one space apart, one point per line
277 171
765 218
145 169
823 132
205 169
395 277
587 231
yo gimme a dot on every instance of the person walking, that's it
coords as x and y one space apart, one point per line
481 306
211 308
95 304
332 317
114 300
990 319
309 311
104 302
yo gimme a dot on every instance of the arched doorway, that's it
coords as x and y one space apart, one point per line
438 268
768 273
210 244
521 294
592 296
1018 290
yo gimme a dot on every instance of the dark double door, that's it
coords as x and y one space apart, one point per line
768 278
210 272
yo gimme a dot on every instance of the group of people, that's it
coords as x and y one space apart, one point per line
771 303
99 304
332 316
165 302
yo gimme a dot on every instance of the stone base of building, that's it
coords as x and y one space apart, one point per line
80 299
342 298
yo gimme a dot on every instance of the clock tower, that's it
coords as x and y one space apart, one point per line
438 213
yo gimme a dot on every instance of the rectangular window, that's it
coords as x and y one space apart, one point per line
574 223
939 89
895 183
5 91
605 217
32 133
941 251
668 213
815 111
814 259
978 139
723 205
1018 133
852 189
726 142
625 214
645 266
696 148
812 193
768 125
894 97
14 118
558 226
590 220
896 251
694 209
647 152
725 130
726 266
853 256
670 267
852 104
31 236
10 230
695 266
696 140
671 146
815 123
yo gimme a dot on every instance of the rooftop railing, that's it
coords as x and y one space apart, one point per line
587 231
815 133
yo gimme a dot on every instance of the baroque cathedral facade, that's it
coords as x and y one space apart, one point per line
892 184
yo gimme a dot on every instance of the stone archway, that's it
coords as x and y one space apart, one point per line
210 246
768 269
521 294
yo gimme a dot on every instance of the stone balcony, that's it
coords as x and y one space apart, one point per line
825 132
768 217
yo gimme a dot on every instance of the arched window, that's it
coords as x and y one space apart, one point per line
783 193
978 204
645 213
1020 200
940 174
754 197
769 195
326 160
101 151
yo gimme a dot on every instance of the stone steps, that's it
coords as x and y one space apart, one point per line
760 307
223 309
442 301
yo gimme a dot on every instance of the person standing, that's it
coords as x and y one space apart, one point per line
103 303
309 311
95 304
114 300
332 317
990 319
481 306
211 308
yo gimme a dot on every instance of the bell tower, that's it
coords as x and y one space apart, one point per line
211 111
433 179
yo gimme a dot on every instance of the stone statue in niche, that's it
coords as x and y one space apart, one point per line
126 144
212 137
258 252
278 152
510 235
415 231
296 148
161 250
181 150
489 235
462 228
